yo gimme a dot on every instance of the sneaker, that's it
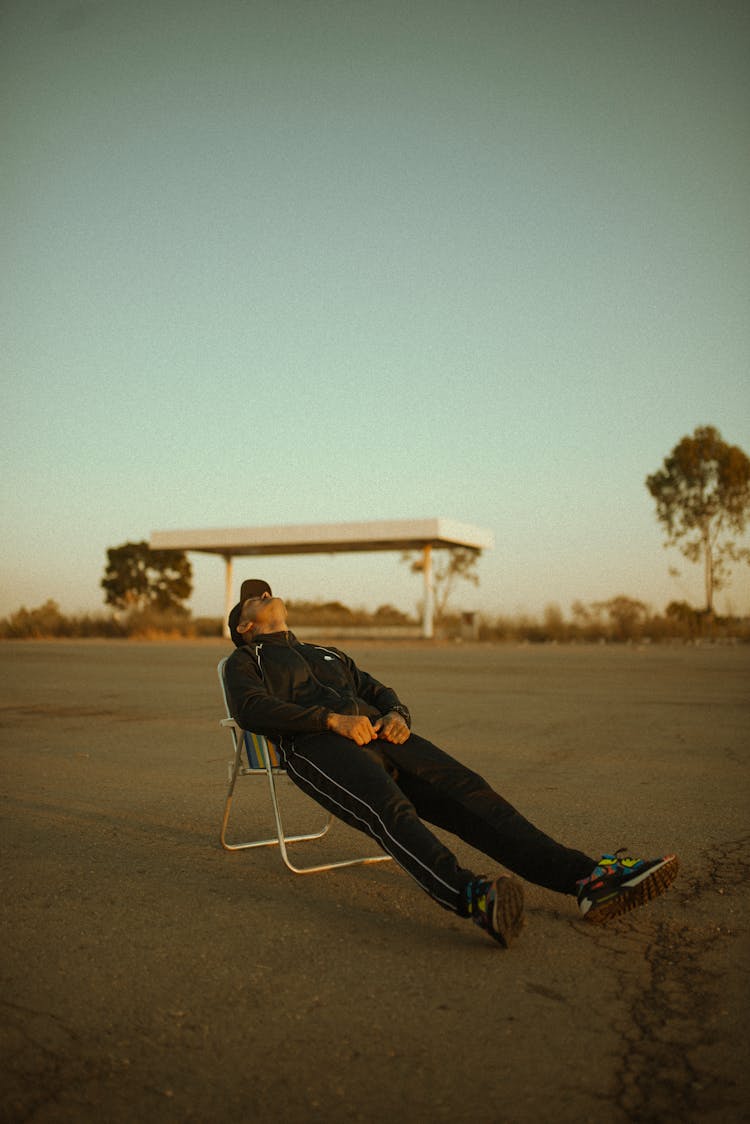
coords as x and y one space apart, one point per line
497 907
618 884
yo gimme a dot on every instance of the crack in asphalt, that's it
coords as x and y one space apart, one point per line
659 1079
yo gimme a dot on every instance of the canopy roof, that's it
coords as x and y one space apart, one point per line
329 538
326 538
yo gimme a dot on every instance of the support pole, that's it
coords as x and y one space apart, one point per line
227 593
429 605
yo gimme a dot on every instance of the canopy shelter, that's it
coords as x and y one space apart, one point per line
330 538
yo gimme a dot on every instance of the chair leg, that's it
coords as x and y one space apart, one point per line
274 841
280 840
284 839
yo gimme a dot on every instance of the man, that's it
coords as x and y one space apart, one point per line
346 740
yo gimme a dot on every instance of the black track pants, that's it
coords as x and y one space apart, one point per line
387 791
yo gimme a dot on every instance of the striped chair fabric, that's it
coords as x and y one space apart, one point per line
253 743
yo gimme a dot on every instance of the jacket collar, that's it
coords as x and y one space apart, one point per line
285 637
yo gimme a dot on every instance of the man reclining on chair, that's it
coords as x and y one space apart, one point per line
346 740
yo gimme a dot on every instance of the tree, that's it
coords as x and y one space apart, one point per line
627 616
137 577
458 563
702 494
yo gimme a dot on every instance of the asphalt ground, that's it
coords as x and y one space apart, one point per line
148 975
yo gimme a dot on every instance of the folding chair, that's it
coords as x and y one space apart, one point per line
263 760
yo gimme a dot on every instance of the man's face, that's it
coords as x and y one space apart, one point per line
261 611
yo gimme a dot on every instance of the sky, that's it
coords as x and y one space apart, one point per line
276 262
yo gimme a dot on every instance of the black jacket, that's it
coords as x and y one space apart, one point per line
279 686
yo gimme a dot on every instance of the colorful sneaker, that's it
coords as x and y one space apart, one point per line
617 885
497 907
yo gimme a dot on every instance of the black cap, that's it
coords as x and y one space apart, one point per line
251 587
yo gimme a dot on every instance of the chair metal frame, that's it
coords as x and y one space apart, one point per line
237 768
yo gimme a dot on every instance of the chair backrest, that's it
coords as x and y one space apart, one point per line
254 743
254 751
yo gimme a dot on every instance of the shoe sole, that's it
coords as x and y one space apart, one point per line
507 911
631 897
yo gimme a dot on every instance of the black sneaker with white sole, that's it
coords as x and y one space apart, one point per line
618 884
497 907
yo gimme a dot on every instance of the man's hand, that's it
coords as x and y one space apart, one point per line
392 728
357 727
